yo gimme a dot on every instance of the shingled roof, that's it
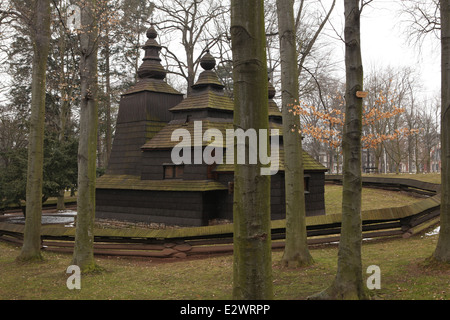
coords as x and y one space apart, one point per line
206 99
309 164
133 182
208 94
162 139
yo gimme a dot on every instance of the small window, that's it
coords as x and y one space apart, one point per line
173 172
179 170
306 181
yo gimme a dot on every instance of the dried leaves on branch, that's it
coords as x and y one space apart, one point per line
328 125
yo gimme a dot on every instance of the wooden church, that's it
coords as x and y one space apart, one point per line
143 184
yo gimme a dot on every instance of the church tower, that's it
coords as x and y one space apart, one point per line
143 111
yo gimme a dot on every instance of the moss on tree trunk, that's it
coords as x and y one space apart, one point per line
348 283
40 31
252 272
442 252
296 251
83 255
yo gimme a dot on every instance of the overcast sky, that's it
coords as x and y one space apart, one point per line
384 43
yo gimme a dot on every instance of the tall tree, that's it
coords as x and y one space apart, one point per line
83 255
296 251
40 33
348 283
252 272
63 81
442 252
133 23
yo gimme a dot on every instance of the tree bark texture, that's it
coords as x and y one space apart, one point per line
87 149
252 265
296 251
442 252
41 44
348 283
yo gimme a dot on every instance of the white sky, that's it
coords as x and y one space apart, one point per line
384 43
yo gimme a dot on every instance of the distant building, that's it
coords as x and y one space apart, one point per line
435 159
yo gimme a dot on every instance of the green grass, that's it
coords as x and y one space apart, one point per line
426 177
403 276
371 199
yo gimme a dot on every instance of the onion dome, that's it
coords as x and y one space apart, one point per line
208 62
272 90
208 77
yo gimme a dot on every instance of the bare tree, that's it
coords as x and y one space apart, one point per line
193 22
422 18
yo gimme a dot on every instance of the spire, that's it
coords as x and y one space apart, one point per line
151 67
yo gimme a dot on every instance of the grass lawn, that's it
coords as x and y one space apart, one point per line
403 276
371 199
426 177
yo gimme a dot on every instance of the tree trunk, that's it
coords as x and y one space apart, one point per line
83 255
348 283
296 251
252 273
442 252
41 45
108 136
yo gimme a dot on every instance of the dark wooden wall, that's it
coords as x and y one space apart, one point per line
314 200
153 166
172 208
197 208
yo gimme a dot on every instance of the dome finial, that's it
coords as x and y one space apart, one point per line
272 90
151 32
208 62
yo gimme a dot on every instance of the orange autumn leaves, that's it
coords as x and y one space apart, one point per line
328 126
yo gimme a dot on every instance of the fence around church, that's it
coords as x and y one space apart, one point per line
402 221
